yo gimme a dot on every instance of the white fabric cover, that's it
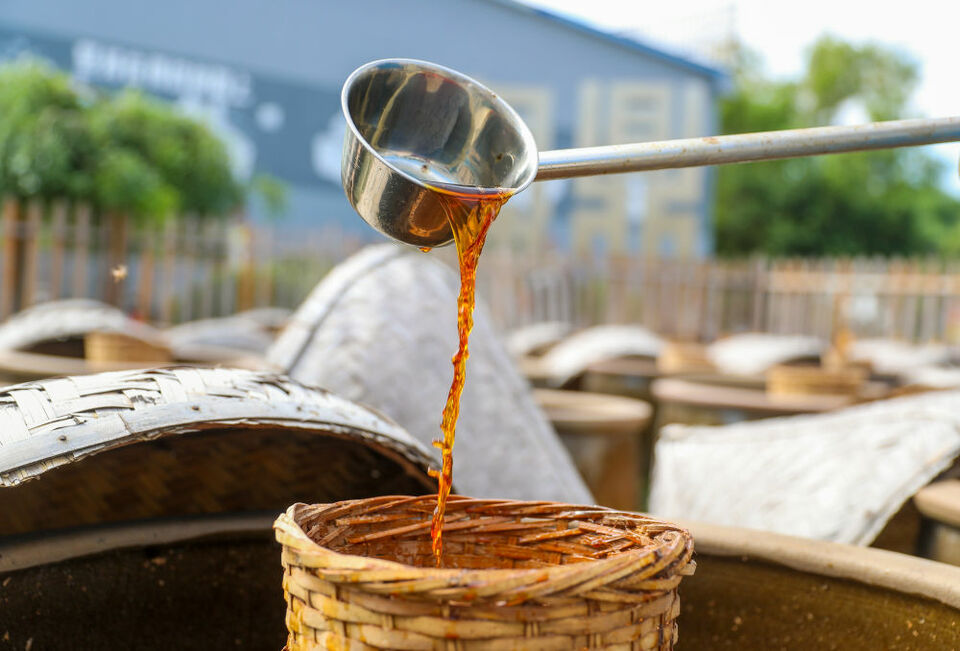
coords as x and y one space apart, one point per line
574 354
837 476
933 376
232 332
896 356
380 329
753 353
529 338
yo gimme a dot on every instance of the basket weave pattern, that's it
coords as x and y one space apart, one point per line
185 441
516 575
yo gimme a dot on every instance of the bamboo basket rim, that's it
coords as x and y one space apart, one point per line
340 567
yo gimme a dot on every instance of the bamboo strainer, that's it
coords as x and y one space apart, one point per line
360 575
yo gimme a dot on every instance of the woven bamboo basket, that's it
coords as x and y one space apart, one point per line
815 380
118 347
516 575
684 357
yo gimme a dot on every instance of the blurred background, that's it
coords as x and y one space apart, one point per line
170 193
246 209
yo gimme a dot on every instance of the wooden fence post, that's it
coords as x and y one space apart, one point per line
189 232
761 282
30 247
11 236
115 258
144 302
81 250
58 226
207 235
222 268
265 285
245 282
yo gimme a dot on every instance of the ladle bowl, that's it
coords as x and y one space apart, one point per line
416 129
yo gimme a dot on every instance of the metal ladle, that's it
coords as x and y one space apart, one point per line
416 129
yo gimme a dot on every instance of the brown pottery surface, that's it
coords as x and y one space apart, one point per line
757 590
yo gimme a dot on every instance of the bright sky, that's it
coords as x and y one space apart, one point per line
926 30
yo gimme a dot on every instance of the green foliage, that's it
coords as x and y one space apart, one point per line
121 152
883 202
124 182
189 163
44 141
272 192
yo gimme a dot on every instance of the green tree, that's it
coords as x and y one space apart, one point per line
122 152
183 164
46 147
882 202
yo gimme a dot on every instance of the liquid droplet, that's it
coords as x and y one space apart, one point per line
425 249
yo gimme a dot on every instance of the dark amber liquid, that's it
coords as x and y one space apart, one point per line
470 216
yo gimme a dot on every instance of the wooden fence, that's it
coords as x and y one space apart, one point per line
913 299
181 269
190 268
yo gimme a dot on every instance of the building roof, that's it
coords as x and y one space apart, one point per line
715 74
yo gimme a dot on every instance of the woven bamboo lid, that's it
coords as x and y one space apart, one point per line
66 320
188 441
380 329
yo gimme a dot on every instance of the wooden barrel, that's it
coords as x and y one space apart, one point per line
120 347
609 440
694 403
678 357
939 506
756 590
786 380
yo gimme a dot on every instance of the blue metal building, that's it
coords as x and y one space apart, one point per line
267 74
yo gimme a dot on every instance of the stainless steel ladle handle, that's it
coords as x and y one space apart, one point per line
742 148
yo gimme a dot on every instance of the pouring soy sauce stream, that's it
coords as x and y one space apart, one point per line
430 156
470 217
